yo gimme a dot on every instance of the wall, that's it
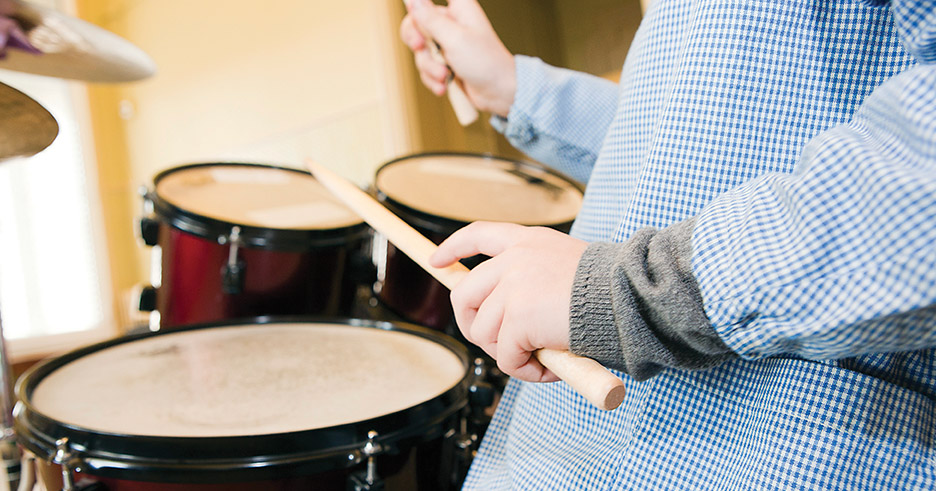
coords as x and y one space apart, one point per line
270 82
596 39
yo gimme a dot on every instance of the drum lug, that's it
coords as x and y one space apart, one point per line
147 299
368 480
149 231
65 458
149 226
232 274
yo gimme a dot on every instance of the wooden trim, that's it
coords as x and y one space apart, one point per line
399 104
27 350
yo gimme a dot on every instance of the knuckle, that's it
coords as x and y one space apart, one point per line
456 296
503 365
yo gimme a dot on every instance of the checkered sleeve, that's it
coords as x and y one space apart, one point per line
559 117
837 259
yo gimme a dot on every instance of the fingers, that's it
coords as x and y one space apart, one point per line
480 314
517 301
488 238
433 74
470 295
486 327
435 86
518 361
410 35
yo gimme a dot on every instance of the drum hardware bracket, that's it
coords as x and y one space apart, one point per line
64 457
149 225
463 441
480 393
368 480
232 274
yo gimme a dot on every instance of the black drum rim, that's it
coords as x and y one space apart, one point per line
444 225
234 458
250 236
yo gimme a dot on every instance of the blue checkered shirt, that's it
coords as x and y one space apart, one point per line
802 134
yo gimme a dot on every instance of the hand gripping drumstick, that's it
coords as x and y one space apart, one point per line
464 109
593 381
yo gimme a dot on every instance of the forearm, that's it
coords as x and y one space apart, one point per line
836 260
559 117
636 306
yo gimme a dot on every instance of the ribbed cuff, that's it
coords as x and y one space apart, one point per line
636 306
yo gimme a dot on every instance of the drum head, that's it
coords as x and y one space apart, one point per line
258 393
467 188
208 199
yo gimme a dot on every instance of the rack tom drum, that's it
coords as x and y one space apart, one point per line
245 240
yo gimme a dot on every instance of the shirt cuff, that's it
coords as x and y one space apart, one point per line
636 306
531 78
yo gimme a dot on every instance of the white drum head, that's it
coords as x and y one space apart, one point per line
255 195
248 380
469 188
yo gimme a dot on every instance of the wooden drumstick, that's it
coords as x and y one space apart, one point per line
464 109
593 381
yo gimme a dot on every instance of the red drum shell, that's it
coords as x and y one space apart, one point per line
405 288
287 271
313 282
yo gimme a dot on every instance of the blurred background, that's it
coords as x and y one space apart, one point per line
271 82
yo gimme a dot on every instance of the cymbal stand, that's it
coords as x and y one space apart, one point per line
10 454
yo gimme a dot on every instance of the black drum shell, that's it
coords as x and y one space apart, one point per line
405 288
235 458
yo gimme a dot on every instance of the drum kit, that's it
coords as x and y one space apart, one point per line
293 347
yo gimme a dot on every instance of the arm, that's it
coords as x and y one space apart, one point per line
837 259
556 116
559 116
834 261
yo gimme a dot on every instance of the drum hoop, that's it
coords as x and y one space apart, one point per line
444 225
198 459
250 236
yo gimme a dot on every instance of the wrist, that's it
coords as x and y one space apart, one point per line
506 88
497 94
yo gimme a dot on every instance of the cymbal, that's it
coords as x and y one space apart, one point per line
26 128
74 49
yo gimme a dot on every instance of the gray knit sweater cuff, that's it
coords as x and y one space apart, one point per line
636 306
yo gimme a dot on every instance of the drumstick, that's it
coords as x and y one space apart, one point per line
464 109
593 381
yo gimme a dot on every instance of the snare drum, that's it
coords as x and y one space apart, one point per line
244 240
438 193
276 404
